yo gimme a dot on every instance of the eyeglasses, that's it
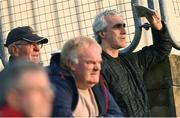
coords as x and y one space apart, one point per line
30 44
119 25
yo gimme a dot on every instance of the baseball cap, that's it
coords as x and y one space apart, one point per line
25 33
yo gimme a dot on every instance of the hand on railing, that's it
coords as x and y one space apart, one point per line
154 20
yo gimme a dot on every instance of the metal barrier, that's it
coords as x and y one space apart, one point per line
2 52
138 31
170 11
60 20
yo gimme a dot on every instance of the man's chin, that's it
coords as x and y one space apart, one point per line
123 46
35 61
120 47
93 83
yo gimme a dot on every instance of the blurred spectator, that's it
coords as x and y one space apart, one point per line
76 78
25 91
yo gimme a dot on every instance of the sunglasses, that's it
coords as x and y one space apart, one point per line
119 26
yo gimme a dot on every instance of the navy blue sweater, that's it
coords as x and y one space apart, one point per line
66 95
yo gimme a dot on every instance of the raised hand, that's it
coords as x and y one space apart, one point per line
155 20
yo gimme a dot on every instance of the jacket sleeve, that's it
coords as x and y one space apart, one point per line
155 53
113 109
63 98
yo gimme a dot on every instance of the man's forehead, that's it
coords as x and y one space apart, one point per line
28 77
87 57
20 41
114 19
118 17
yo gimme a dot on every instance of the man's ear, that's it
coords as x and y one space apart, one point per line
102 34
71 65
15 50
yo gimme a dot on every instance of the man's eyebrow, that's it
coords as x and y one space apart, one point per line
119 25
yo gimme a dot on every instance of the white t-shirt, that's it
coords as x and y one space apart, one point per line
86 106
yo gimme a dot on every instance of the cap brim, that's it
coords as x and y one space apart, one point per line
35 38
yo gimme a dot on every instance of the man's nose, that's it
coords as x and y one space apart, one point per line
36 47
123 31
97 66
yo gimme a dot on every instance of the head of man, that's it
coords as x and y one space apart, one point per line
109 29
26 88
82 55
23 43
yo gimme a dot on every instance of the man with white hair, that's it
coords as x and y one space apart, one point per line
80 89
123 74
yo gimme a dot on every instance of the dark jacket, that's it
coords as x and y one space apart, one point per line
124 75
66 95
10 62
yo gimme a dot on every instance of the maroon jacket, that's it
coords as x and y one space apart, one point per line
7 111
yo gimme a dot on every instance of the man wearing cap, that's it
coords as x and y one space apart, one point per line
24 43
